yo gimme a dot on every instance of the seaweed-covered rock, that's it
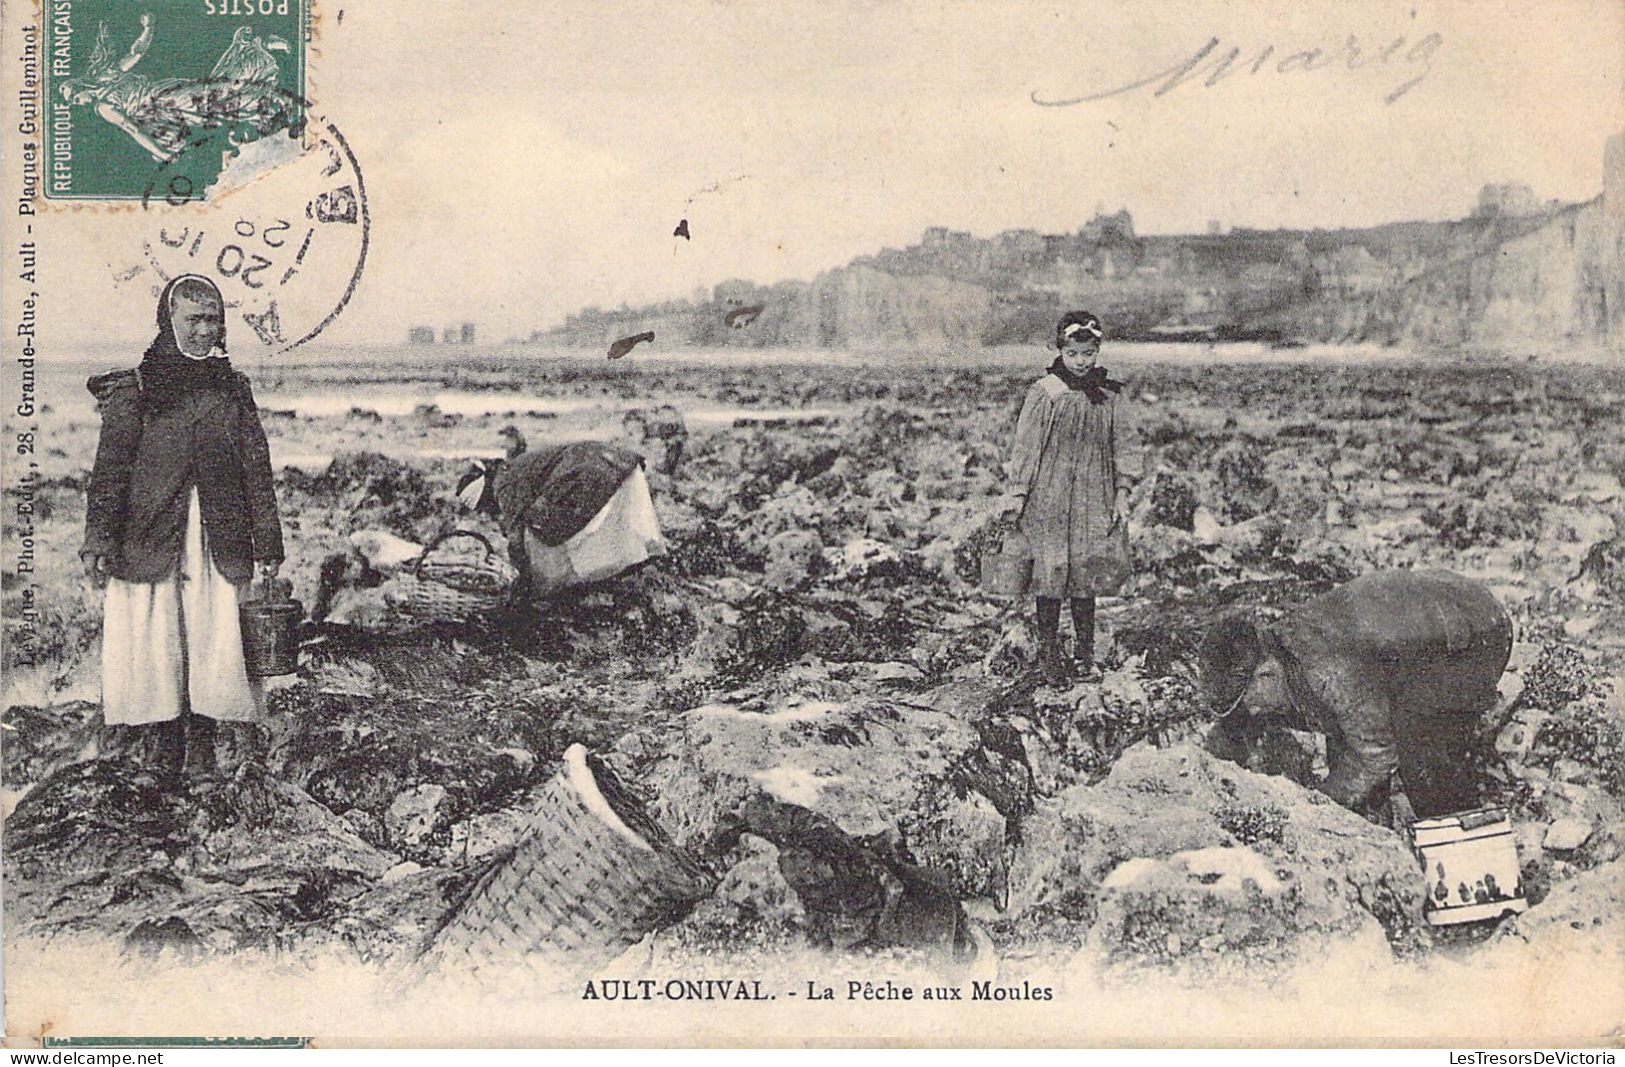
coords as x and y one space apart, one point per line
1603 568
1580 909
792 558
374 490
864 558
1330 873
1244 485
1559 676
88 820
1014 652
869 802
415 813
39 740
99 848
712 548
1588 735
1567 834
388 922
360 753
1077 733
1199 901
1252 540
766 635
753 908
1170 501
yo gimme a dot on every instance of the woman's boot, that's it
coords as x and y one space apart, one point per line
165 751
200 761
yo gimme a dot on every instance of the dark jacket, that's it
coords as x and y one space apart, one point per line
147 461
556 491
1389 667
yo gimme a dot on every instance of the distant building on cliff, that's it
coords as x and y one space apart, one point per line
952 251
1352 270
420 335
1103 227
733 291
1020 243
1506 200
943 237
1071 279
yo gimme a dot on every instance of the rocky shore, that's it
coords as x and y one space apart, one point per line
812 698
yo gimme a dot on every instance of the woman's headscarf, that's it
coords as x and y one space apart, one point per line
167 373
476 489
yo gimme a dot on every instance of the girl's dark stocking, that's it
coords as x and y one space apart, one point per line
165 744
200 757
1049 617
1083 630
1049 639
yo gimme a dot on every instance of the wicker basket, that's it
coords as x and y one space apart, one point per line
592 878
453 588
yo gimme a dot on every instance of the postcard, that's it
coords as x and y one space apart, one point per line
755 523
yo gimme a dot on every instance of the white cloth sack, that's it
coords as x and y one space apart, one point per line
177 644
624 533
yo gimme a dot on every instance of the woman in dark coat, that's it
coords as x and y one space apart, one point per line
181 512
1393 668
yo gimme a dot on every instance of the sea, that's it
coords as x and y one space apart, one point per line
395 380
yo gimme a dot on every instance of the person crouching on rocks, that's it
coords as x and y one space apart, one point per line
573 514
1070 470
180 512
1394 668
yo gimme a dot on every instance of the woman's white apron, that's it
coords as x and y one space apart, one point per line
176 645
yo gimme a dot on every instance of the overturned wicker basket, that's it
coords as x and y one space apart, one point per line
594 876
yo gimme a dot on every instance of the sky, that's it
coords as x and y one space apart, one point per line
526 159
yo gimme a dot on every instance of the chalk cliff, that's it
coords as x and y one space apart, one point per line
1563 282
1549 280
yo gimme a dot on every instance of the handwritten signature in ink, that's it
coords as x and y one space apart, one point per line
1218 62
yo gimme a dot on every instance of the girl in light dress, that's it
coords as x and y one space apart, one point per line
1070 469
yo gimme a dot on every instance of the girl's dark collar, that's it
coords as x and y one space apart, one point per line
1093 382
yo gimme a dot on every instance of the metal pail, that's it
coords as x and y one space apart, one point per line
271 635
1009 571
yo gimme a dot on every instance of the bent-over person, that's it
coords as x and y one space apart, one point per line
1393 668
573 514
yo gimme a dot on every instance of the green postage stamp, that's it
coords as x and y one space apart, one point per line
165 90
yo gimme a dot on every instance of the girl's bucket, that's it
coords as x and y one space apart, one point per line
270 625
1471 864
1008 571
594 875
